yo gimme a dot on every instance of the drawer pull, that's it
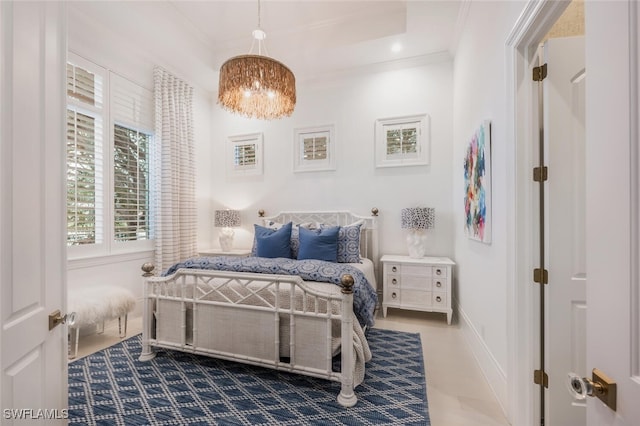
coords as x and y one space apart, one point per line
438 284
438 271
393 295
394 269
394 281
438 299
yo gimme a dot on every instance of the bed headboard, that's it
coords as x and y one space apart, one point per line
369 230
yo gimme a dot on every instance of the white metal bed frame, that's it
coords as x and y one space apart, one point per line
207 312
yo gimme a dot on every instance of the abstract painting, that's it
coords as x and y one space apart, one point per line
477 184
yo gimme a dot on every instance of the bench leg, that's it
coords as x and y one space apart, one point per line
100 327
74 341
120 326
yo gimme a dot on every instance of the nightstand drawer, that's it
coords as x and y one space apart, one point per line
393 280
439 299
393 268
409 298
421 270
438 272
392 296
415 282
439 284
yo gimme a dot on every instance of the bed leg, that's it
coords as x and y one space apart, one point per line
347 398
147 353
147 313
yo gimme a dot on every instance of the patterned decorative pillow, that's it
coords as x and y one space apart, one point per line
348 242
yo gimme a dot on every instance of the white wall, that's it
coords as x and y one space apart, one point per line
352 103
479 94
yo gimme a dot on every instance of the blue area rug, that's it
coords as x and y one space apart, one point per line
112 387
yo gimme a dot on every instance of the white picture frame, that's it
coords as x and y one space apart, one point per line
402 141
244 155
314 148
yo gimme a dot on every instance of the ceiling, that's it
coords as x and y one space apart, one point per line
313 38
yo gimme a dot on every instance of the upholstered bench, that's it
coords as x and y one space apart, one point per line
95 305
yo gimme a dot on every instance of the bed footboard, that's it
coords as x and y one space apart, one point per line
274 321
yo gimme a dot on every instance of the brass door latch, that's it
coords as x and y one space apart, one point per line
599 385
56 318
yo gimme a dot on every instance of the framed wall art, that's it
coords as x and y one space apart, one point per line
402 141
477 184
244 155
314 149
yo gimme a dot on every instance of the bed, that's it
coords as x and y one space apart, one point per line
304 313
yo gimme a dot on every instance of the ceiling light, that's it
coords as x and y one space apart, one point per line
396 47
257 86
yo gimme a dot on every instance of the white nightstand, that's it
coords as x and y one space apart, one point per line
220 252
419 284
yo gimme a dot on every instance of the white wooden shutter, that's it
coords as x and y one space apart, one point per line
84 155
133 119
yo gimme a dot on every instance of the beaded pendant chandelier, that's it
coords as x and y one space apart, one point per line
257 86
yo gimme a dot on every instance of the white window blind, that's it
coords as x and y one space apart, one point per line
109 137
84 86
84 178
131 184
84 156
132 114
131 104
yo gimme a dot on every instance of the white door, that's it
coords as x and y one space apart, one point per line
564 126
612 206
32 217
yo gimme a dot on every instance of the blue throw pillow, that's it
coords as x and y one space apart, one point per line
273 243
321 244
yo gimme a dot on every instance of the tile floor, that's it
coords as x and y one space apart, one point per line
457 392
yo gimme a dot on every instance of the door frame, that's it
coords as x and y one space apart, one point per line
521 46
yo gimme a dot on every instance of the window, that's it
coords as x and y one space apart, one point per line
108 181
83 179
402 141
131 184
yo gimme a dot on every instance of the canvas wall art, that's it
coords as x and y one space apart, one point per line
477 183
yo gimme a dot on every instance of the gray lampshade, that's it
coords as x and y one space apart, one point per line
226 219
418 218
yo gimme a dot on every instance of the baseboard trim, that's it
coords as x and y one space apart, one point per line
491 370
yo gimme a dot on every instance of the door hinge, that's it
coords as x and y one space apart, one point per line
540 73
540 378
540 174
540 276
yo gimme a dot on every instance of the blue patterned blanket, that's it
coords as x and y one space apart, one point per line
364 296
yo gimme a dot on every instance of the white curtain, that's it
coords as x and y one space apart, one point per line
175 213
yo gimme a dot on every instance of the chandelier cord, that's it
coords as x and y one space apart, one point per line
259 35
259 26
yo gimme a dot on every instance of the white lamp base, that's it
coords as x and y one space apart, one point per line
226 239
416 243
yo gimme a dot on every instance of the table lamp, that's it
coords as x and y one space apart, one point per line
417 220
227 220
